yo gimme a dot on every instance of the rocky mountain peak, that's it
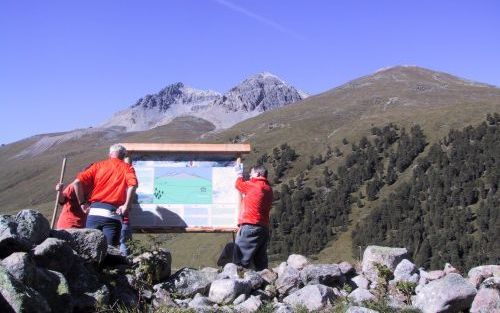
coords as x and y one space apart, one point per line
256 94
260 92
175 93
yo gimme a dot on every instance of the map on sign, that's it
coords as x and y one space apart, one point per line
185 191
173 185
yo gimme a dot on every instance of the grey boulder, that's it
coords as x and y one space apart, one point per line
19 298
230 271
21 266
478 274
361 282
488 297
250 305
404 270
325 274
347 269
297 261
256 281
32 226
268 276
451 293
359 295
54 254
124 294
200 303
313 297
288 281
90 244
85 286
224 291
486 300
279 307
54 287
387 256
10 241
163 299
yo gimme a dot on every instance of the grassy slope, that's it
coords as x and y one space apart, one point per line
402 95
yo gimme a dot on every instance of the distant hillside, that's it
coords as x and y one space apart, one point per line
403 96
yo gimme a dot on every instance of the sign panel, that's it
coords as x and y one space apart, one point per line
185 190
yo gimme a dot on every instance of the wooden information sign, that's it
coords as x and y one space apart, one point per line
185 187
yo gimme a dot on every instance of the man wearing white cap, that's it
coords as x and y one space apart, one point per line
114 183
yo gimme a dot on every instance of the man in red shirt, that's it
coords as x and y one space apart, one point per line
114 183
253 220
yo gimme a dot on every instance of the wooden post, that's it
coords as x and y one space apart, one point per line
56 206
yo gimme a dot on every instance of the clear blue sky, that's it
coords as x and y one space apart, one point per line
71 64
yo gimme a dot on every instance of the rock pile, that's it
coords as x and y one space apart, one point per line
42 270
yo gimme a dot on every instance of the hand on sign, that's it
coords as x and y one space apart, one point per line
238 167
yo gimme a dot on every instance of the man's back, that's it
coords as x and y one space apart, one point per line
258 197
110 179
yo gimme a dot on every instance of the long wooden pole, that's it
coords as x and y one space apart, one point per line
56 206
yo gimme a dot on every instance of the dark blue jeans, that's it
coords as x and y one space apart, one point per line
251 247
109 226
125 235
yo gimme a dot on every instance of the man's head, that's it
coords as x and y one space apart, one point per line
258 171
117 151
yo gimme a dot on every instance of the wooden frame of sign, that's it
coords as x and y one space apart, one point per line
197 151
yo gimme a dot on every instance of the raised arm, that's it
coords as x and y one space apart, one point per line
240 183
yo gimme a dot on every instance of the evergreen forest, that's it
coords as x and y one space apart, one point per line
443 205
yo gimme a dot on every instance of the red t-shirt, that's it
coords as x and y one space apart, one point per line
110 179
258 197
71 215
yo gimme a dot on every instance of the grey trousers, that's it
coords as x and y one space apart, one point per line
251 247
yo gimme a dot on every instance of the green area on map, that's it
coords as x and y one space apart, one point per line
183 186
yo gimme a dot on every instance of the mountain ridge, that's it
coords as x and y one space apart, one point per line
254 95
